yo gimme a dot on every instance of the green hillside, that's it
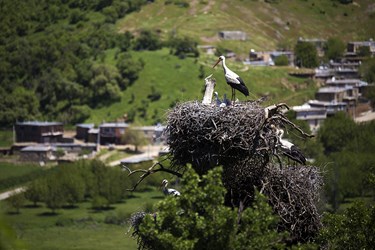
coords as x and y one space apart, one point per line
75 61
268 25
178 80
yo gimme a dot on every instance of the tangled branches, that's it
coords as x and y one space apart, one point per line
241 139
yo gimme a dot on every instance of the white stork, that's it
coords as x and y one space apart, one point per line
233 79
169 191
289 149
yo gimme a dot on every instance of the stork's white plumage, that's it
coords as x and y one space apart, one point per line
169 191
232 79
289 149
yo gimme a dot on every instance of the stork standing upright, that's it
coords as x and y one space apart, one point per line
289 149
233 79
169 191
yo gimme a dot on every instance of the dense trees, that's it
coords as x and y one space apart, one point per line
334 49
50 70
306 55
349 152
198 219
67 185
354 229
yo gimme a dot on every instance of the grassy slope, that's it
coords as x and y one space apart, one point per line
178 80
8 170
266 24
39 231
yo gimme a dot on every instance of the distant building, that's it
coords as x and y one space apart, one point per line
111 133
38 153
39 132
82 131
233 35
353 47
263 58
314 116
155 134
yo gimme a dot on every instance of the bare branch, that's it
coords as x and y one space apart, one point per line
150 171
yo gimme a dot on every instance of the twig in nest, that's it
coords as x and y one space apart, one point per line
148 172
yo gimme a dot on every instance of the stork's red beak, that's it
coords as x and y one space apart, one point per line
216 63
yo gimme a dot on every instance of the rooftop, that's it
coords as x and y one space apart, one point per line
38 123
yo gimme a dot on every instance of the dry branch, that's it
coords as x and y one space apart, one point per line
240 138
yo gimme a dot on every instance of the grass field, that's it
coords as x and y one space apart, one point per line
79 228
8 170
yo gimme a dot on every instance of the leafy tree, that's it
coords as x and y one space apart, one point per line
16 201
364 51
134 137
336 132
281 60
354 229
306 55
334 48
72 184
183 47
128 68
35 191
54 196
198 219
147 40
367 70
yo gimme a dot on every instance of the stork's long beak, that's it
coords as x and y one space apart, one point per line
216 63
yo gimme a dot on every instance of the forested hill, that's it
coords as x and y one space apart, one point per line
64 60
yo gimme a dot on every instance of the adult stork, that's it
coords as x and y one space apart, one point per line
232 79
169 191
289 149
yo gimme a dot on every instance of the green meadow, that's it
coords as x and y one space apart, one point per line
79 227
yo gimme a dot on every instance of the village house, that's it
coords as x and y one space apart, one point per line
38 153
267 58
354 47
39 132
82 131
112 133
314 116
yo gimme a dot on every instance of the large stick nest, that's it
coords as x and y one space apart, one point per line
240 138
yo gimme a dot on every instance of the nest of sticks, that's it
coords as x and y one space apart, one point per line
240 138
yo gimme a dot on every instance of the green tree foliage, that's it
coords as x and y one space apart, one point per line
183 47
134 137
46 68
198 219
334 49
128 69
281 60
354 229
16 201
336 132
367 70
35 191
147 40
349 150
20 104
306 55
